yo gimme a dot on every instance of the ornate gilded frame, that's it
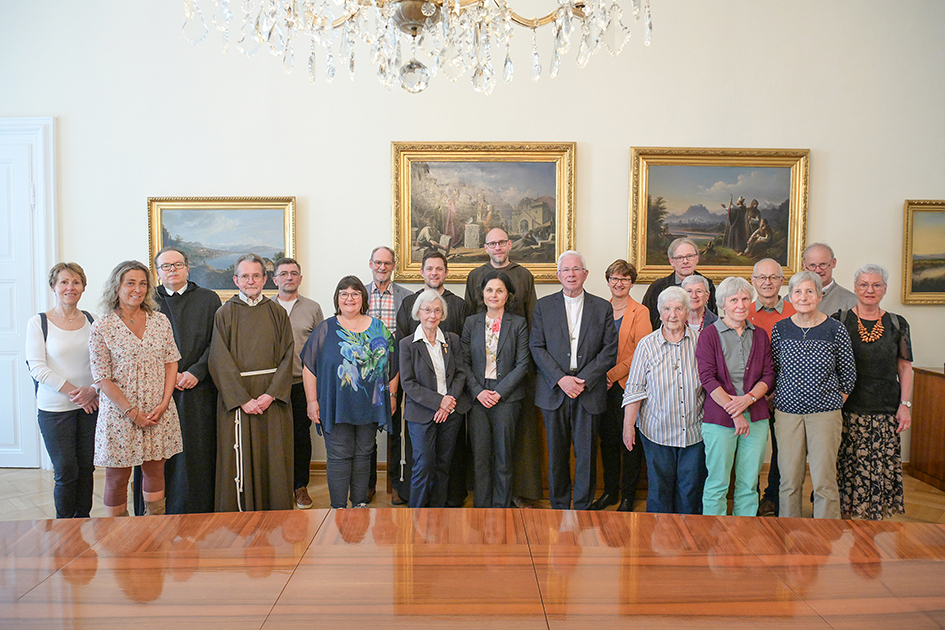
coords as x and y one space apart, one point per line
925 217
642 159
407 155
247 220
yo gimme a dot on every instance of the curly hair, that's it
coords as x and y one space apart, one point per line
110 299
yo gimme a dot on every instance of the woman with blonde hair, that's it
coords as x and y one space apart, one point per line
134 363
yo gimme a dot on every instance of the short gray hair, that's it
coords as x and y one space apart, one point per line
427 297
672 294
696 278
253 258
732 286
754 269
815 246
682 240
805 276
871 269
571 252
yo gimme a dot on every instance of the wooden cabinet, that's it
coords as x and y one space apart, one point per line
927 449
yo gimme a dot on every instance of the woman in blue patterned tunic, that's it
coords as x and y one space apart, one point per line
815 372
350 377
870 463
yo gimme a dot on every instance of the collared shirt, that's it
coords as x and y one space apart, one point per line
574 309
766 317
664 376
493 329
179 291
735 349
287 305
436 355
249 301
381 306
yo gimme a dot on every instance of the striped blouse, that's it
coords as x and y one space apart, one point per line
665 377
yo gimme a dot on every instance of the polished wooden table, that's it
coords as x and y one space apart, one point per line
469 568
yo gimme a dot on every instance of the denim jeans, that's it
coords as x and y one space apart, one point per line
676 477
70 442
348 450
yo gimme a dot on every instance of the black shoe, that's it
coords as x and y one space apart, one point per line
524 502
626 506
396 499
605 500
371 493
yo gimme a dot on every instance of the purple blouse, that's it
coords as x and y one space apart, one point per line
713 372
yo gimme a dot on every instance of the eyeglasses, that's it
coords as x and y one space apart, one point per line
818 266
616 280
169 266
383 263
349 295
494 244
876 286
685 257
570 269
250 276
426 310
764 279
288 274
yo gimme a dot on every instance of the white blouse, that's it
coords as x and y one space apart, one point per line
63 357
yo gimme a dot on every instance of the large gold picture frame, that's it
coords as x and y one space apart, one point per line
923 252
215 231
448 195
738 205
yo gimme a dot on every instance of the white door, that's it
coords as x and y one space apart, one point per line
26 195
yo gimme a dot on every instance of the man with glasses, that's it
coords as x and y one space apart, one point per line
574 343
189 475
683 257
251 363
770 308
526 473
434 270
819 258
384 301
304 315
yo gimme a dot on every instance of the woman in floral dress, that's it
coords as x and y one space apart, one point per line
869 466
350 377
134 362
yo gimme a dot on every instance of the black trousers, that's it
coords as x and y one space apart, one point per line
302 434
618 477
571 424
492 437
394 468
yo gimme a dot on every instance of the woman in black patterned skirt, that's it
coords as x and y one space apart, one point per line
869 466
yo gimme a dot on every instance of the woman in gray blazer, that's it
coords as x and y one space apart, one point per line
433 380
495 349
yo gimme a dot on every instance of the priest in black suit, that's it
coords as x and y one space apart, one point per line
189 475
573 343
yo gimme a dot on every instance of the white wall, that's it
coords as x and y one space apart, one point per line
143 113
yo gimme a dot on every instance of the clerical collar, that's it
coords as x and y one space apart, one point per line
575 299
179 291
249 301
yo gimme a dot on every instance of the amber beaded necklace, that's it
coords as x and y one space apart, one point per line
873 335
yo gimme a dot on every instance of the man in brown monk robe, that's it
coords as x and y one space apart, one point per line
251 364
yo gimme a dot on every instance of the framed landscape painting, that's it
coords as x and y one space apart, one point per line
215 231
738 205
923 252
447 196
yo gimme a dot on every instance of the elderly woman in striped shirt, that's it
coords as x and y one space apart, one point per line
665 398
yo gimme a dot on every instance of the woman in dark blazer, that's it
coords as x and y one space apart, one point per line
433 380
495 349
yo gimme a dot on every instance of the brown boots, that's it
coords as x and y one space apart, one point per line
154 508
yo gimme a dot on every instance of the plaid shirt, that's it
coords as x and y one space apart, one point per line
381 306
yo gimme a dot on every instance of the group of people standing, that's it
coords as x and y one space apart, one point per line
215 403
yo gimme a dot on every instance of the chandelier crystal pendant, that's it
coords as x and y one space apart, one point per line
452 37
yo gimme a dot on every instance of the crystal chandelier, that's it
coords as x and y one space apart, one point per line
451 37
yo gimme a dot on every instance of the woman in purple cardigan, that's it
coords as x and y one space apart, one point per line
736 370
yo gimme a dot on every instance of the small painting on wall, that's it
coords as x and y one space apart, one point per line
923 262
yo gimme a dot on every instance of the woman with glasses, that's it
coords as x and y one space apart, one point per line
814 372
350 377
633 324
434 382
698 289
869 465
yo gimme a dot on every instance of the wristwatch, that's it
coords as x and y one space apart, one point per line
907 403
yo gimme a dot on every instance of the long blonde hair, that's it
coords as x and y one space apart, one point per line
110 299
